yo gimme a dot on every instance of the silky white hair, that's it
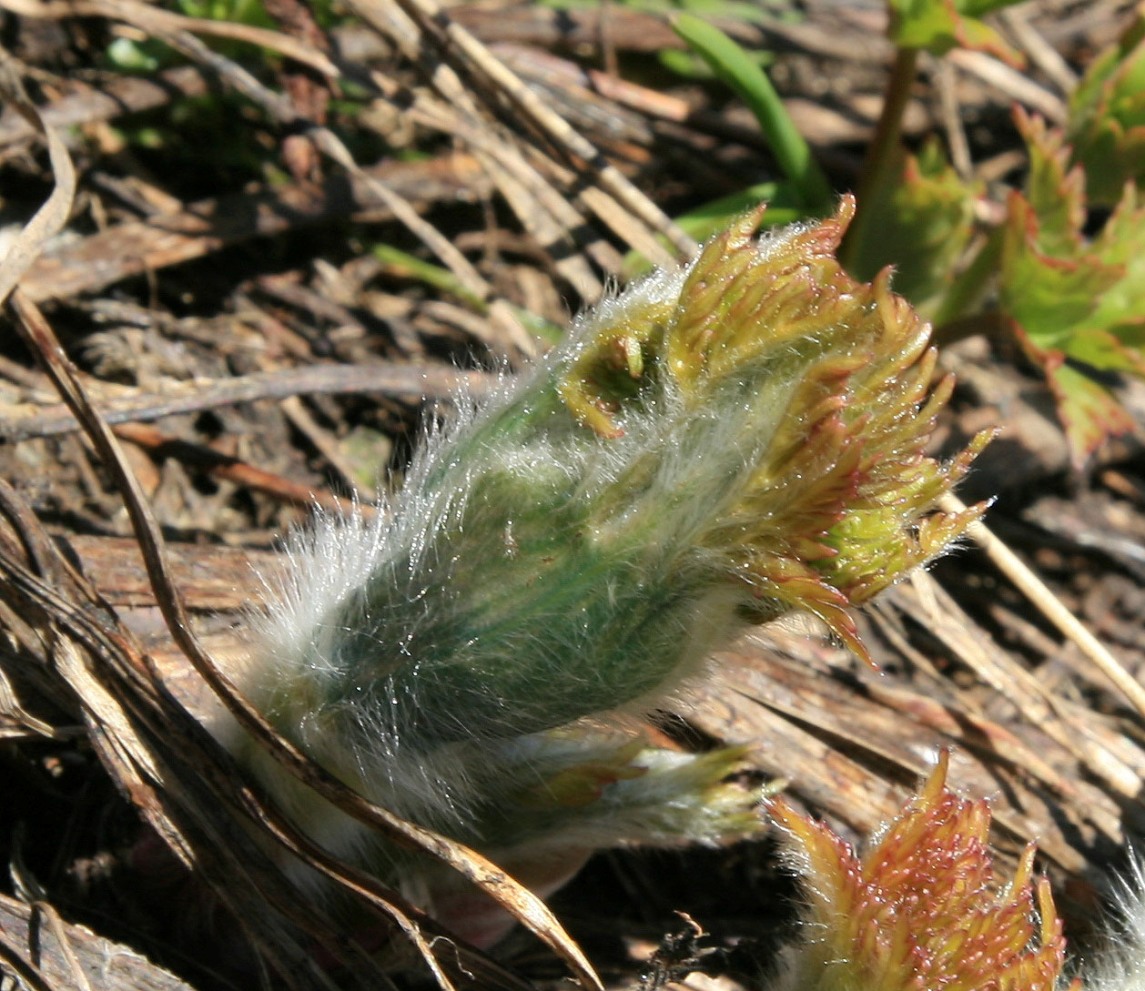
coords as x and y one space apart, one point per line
1119 964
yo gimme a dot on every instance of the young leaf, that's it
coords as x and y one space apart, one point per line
937 26
1107 118
1075 303
925 219
719 445
783 207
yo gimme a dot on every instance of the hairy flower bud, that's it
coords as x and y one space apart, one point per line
712 448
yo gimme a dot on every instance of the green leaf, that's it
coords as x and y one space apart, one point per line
687 64
1076 304
739 71
405 265
925 219
1107 117
133 56
1050 296
1090 412
1117 324
1056 193
937 26
1086 299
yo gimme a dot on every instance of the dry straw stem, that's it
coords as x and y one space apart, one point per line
233 469
458 43
500 314
24 970
1071 727
150 747
179 32
553 220
159 756
53 215
46 952
117 96
1009 81
430 15
172 236
1052 608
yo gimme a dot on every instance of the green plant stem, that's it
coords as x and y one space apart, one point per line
733 66
884 144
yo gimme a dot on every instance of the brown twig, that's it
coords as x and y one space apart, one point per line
53 215
1010 82
114 98
414 382
1052 608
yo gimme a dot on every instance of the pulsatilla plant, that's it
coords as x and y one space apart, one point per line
717 446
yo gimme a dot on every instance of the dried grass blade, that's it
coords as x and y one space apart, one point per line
134 764
542 210
278 107
1052 607
499 313
154 752
22 970
1038 705
50 219
67 951
430 16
